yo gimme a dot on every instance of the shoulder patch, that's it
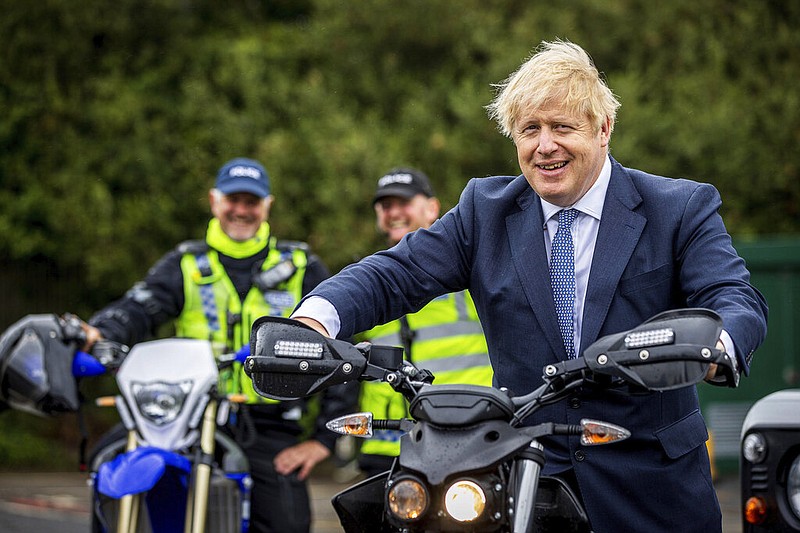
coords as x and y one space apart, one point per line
193 247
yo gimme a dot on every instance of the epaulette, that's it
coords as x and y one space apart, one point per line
289 246
193 247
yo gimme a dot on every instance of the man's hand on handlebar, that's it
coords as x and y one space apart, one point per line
715 374
313 324
92 336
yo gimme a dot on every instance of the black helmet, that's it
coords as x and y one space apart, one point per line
36 356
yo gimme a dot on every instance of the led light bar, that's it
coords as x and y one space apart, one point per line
298 350
653 337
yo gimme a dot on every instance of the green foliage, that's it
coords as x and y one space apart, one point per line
30 443
119 115
116 117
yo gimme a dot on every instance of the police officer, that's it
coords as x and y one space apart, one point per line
215 289
444 337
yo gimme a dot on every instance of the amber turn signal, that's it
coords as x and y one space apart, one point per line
357 424
106 401
755 510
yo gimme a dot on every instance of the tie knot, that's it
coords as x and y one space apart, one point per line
566 217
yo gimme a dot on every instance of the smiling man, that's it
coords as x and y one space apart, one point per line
575 248
214 289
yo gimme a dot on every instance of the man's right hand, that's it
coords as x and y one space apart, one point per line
92 336
313 324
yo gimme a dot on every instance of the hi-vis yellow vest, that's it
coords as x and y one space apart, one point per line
213 310
447 340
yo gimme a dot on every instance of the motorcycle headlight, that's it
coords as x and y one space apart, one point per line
754 447
793 486
160 402
465 501
408 499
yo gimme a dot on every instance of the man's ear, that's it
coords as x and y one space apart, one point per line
213 199
432 209
268 205
605 131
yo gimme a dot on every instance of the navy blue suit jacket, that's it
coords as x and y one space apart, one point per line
661 245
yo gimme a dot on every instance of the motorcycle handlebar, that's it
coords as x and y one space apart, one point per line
671 350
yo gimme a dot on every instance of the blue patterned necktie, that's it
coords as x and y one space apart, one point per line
562 277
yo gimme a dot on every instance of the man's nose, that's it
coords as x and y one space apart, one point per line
547 141
239 207
394 208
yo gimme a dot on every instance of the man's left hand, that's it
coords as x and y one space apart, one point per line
712 368
301 457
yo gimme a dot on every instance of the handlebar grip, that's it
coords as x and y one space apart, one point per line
110 354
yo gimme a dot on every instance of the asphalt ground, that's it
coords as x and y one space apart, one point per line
41 502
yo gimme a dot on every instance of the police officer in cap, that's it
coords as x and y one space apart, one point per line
444 337
215 288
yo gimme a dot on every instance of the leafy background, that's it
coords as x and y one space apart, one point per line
116 116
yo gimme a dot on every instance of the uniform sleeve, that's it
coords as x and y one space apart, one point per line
150 303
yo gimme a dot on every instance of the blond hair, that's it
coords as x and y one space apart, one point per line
558 70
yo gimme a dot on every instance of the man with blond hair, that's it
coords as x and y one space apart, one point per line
575 248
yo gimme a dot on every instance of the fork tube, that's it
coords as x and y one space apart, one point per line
527 468
201 480
129 505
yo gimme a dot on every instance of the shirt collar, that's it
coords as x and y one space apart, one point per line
590 203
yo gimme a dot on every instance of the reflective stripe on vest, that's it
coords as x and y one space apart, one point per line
448 340
207 294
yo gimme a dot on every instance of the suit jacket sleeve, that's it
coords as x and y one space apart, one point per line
714 276
401 280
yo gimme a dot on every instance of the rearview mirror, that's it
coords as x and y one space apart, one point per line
290 360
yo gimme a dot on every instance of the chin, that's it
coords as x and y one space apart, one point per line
241 235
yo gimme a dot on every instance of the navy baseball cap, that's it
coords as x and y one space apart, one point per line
403 182
243 175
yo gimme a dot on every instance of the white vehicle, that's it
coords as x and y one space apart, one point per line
770 464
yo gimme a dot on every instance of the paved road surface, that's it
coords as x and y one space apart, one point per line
43 502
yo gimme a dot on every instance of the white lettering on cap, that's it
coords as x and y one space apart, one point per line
395 178
244 172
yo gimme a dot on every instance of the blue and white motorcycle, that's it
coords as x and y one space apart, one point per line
166 468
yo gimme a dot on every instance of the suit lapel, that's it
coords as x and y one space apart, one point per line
526 238
617 237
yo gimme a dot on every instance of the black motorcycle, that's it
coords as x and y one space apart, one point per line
466 461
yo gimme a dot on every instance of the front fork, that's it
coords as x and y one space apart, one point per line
527 470
200 484
127 520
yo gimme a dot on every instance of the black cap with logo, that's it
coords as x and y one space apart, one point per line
403 182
